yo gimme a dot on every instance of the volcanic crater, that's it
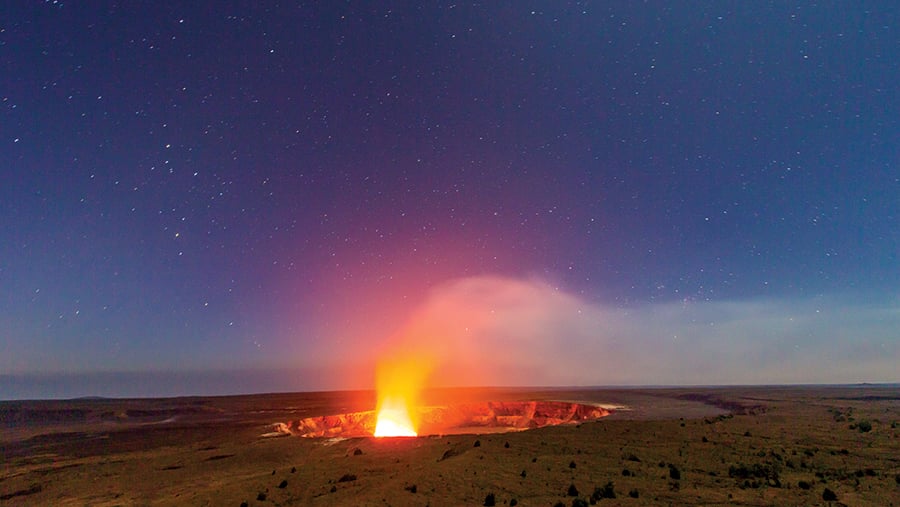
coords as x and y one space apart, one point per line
468 418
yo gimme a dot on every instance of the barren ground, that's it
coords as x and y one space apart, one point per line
681 446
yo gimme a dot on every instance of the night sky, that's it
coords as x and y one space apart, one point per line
230 197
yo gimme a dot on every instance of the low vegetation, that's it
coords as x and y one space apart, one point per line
796 452
607 491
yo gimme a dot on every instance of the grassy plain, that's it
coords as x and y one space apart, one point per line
781 445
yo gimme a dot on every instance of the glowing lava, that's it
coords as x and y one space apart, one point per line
399 382
394 420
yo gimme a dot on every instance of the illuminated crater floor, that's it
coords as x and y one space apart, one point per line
471 418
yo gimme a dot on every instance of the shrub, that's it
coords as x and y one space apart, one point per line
804 485
477 443
579 502
489 500
864 426
572 464
607 491
674 473
411 489
572 491
261 497
513 502
347 478
634 493
282 484
828 495
769 472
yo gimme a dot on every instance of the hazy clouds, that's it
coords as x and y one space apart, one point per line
525 332
503 331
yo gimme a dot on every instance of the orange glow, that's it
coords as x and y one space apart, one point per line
399 382
394 419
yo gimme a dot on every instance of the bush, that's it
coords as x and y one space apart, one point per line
864 426
674 473
804 485
769 472
607 491
347 478
634 493
261 497
489 500
572 491
283 484
579 502
828 495
513 502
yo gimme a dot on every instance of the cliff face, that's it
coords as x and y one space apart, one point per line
354 424
487 417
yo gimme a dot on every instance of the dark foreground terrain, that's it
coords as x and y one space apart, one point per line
685 446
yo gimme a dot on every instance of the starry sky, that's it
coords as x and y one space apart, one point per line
231 197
